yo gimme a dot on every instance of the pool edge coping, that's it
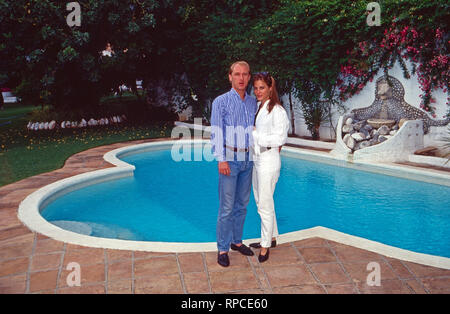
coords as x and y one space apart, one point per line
29 211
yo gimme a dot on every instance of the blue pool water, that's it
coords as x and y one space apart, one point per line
177 202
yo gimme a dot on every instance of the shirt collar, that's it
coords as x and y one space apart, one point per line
265 104
237 94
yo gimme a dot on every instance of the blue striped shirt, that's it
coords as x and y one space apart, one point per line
231 122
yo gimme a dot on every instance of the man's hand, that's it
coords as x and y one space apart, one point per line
279 148
224 168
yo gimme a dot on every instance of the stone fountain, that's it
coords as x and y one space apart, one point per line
388 130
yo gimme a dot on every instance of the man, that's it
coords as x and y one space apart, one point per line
232 119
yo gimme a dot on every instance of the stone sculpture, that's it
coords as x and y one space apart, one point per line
389 105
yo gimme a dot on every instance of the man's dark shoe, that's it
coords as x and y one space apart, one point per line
223 260
258 245
243 249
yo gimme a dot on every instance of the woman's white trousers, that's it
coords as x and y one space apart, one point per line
266 171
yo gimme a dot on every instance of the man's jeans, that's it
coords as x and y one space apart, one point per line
234 195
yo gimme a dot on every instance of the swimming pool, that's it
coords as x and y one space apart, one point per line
168 201
355 224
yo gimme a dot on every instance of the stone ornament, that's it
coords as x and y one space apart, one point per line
37 126
389 104
361 134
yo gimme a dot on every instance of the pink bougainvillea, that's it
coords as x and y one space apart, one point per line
426 50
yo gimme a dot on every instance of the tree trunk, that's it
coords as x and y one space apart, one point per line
291 108
316 132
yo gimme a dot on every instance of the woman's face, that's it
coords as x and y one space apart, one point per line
262 90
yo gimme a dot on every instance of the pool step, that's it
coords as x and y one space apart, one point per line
74 226
97 230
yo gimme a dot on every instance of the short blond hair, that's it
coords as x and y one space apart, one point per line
240 63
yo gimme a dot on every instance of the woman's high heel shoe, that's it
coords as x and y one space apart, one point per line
258 245
263 258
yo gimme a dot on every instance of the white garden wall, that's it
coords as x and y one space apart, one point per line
366 97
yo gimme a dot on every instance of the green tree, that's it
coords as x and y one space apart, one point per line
219 33
63 66
415 31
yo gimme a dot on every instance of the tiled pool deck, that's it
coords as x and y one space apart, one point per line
33 263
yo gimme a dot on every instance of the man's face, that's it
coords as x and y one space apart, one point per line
240 77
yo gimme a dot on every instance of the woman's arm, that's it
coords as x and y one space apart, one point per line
279 128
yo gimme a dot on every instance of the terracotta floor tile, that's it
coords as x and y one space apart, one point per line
251 291
155 266
345 288
85 256
304 289
317 254
14 266
14 232
116 255
9 202
437 284
46 261
329 273
44 292
40 236
311 242
13 284
394 286
142 254
282 256
32 184
17 239
120 270
83 289
232 280
237 261
16 250
8 219
196 282
43 280
48 246
287 244
426 271
417 286
71 247
288 275
120 287
399 268
347 253
7 210
262 278
191 262
359 273
161 284
21 194
89 274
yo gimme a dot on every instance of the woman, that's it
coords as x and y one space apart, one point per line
269 134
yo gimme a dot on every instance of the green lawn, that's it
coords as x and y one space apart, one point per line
25 153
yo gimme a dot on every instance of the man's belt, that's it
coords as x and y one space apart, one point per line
235 149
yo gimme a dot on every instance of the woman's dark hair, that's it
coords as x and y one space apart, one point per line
269 80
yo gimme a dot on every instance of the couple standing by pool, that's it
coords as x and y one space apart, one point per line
246 137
